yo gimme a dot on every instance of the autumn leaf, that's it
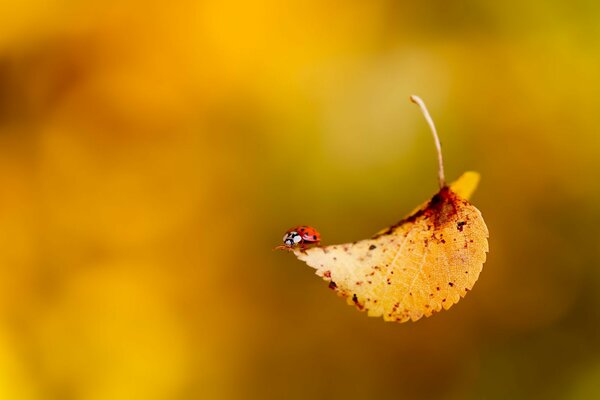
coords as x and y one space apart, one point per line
426 262
423 264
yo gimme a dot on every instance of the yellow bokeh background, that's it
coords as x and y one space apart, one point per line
152 154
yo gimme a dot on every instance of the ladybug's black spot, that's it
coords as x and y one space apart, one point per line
314 237
372 247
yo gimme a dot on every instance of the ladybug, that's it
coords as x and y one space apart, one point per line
300 237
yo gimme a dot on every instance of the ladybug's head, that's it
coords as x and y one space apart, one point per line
291 238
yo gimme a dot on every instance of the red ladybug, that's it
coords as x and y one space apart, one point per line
300 237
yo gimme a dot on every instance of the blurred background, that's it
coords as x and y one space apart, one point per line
153 153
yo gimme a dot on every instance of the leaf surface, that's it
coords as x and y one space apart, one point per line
424 263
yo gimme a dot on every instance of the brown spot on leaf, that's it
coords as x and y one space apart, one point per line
442 208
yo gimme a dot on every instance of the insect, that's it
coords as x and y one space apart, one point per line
299 237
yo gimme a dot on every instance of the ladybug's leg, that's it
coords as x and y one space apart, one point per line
282 247
312 244
300 246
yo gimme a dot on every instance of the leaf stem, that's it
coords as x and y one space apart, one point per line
417 100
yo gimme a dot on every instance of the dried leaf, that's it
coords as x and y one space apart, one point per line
424 263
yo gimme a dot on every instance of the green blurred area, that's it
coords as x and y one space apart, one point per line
151 155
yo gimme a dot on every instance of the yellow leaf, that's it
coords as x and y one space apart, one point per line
466 184
424 263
